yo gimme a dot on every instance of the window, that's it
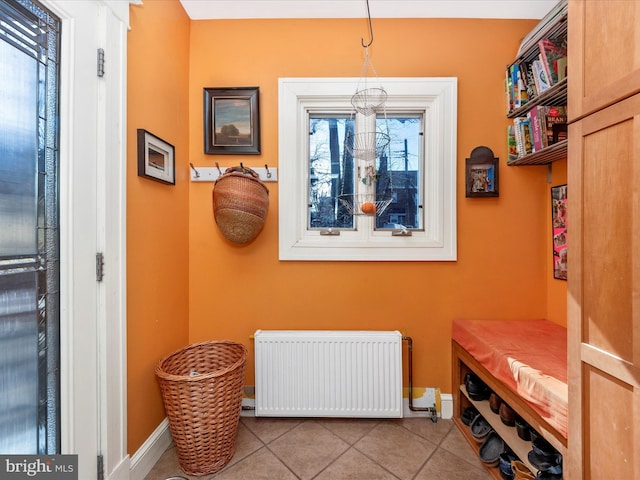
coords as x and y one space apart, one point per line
321 183
338 183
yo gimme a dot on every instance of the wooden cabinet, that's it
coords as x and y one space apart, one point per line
604 58
604 286
604 241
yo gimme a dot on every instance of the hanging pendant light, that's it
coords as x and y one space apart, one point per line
369 143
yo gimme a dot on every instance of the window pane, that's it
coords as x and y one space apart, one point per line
330 171
18 364
29 235
400 171
18 151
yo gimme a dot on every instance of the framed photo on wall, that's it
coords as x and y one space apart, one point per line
559 230
231 121
156 158
481 173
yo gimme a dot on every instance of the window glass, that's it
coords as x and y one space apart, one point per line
332 171
400 171
18 151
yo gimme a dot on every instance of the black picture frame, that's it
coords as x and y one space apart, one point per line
156 158
232 121
559 231
482 173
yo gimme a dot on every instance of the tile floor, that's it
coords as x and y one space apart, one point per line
341 449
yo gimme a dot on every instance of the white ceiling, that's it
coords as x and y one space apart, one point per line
228 9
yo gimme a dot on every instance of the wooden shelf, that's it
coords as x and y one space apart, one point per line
553 153
554 27
463 362
509 434
466 433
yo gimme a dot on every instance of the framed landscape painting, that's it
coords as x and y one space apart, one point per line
156 158
231 121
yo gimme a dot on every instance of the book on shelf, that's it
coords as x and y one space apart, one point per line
527 137
561 67
540 76
559 131
551 53
555 115
539 139
532 90
519 86
508 89
517 132
512 147
542 126
522 87
514 70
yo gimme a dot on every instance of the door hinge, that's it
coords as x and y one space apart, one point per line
99 266
101 62
100 475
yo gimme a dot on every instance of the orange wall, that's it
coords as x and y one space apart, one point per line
157 214
503 260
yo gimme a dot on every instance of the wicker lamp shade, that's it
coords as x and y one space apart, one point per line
240 204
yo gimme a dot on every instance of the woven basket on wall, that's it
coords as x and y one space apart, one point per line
201 389
240 204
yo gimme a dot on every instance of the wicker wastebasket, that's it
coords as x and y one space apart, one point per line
201 389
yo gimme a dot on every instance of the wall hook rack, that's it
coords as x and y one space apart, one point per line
211 174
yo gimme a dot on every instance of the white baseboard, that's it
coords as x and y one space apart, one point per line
446 401
122 471
150 452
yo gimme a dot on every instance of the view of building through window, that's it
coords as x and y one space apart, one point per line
334 173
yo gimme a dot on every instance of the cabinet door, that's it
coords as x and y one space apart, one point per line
604 294
604 53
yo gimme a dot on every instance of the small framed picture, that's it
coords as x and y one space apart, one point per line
156 158
231 121
481 173
559 231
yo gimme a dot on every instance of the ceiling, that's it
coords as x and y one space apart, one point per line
243 9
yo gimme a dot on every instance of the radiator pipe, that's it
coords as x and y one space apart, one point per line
432 410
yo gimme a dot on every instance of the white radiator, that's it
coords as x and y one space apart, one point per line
328 373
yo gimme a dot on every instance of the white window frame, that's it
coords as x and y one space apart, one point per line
437 99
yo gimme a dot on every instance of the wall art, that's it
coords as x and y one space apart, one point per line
231 121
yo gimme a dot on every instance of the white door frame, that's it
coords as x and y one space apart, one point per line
92 219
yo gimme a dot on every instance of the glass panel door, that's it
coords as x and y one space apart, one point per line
29 236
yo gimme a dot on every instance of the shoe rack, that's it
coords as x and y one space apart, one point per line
508 434
463 362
